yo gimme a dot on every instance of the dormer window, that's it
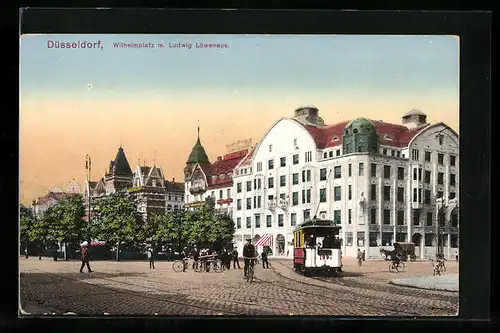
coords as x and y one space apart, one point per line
355 130
388 137
335 138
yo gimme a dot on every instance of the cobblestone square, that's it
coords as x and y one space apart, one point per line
128 288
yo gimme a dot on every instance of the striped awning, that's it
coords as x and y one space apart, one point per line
265 240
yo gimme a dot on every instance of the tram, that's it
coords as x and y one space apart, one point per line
316 247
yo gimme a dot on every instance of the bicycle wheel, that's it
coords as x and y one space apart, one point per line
218 266
392 267
401 267
198 267
178 266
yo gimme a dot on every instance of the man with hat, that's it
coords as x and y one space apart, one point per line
85 257
248 253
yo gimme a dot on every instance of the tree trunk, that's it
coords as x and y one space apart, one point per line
65 249
118 251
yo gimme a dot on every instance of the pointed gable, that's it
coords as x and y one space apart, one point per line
120 165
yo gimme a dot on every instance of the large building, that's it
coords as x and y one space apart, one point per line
210 181
54 197
147 187
381 182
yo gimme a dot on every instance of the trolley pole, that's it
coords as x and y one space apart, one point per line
88 167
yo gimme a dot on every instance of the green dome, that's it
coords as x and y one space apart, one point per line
198 154
360 126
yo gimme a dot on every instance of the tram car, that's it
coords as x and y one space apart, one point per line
317 247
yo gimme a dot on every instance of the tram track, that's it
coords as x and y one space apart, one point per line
369 298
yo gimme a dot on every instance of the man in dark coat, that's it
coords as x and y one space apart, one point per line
85 257
265 263
235 259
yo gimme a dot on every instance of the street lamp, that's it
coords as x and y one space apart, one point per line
88 167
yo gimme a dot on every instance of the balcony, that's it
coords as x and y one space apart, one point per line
283 204
224 201
271 205
197 189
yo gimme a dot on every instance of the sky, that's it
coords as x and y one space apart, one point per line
80 101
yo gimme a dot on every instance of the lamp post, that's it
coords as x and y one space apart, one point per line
88 167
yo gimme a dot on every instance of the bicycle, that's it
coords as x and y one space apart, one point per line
396 267
180 265
437 268
441 265
251 269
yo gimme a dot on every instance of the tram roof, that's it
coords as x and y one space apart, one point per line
317 223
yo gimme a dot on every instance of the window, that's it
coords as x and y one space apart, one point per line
308 156
361 238
322 195
280 220
270 182
349 216
322 174
427 177
393 153
259 183
283 161
429 219
229 193
293 219
416 217
387 238
420 198
249 222
238 204
427 197
349 192
401 194
337 172
238 188
401 217
373 170
220 194
283 180
373 192
296 159
398 154
387 171
384 151
415 195
270 164
415 176
454 241
282 196
400 237
452 179
325 154
259 201
249 186
259 166
387 193
336 193
440 158
452 195
452 160
306 214
269 221
429 238
303 196
454 220
420 174
373 216
427 156
401 173
295 198
373 238
295 142
330 153
295 179
387 216
440 178
361 169
337 153
439 194
308 175
336 216
238 223
270 148
350 170
414 154
249 203
348 238
308 196
441 220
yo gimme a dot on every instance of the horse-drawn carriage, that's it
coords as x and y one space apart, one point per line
404 249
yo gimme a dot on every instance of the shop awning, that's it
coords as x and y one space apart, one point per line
265 240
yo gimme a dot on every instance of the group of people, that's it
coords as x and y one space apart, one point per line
360 257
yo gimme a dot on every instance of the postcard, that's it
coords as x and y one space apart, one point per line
229 175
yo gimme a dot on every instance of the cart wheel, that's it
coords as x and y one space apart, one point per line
178 266
391 267
218 266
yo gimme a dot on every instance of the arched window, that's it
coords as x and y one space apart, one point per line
355 130
169 208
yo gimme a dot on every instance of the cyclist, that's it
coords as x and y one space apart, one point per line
248 252
396 258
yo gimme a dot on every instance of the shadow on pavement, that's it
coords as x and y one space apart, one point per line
67 292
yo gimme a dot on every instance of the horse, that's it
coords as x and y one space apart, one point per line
387 253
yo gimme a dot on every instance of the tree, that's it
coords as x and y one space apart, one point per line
39 231
67 224
26 220
118 221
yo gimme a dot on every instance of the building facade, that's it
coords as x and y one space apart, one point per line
381 182
54 197
212 182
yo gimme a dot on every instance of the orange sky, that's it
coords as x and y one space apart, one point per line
57 133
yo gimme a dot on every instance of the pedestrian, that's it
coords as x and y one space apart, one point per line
363 255
265 263
85 257
196 256
456 256
235 259
151 257
26 253
359 257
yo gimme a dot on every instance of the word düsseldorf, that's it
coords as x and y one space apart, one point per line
81 44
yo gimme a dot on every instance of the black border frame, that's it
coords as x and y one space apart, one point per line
474 30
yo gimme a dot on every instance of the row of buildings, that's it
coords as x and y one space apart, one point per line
381 182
